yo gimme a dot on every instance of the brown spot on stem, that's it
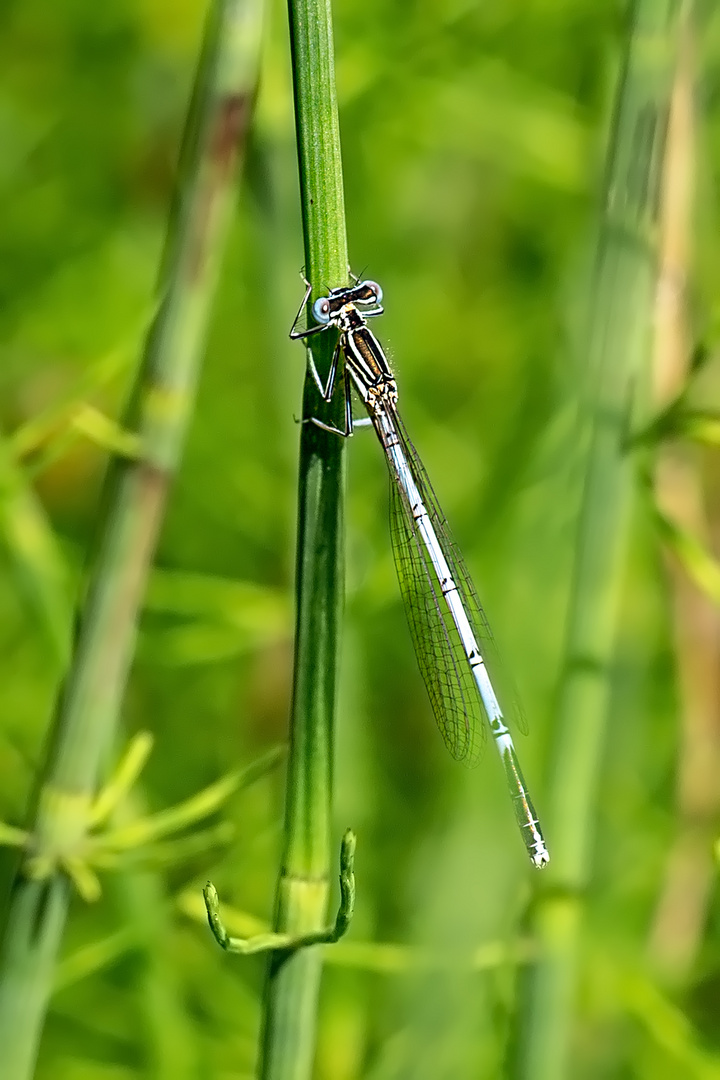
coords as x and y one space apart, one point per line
230 126
226 137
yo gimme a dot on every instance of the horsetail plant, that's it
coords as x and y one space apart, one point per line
65 807
618 345
291 992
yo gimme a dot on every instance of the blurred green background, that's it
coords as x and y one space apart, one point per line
473 140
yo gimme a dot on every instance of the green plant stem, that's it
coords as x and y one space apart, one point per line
619 341
134 499
288 1038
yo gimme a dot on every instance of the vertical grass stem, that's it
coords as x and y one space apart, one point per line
288 1040
619 341
133 503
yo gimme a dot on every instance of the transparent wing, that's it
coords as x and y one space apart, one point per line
440 655
453 692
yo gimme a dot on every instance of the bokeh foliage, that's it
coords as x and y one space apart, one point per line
473 140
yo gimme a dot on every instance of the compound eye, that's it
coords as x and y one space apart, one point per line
375 290
321 310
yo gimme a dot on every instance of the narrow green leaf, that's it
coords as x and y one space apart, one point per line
699 427
700 564
35 554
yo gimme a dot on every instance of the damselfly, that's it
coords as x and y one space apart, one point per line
452 639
